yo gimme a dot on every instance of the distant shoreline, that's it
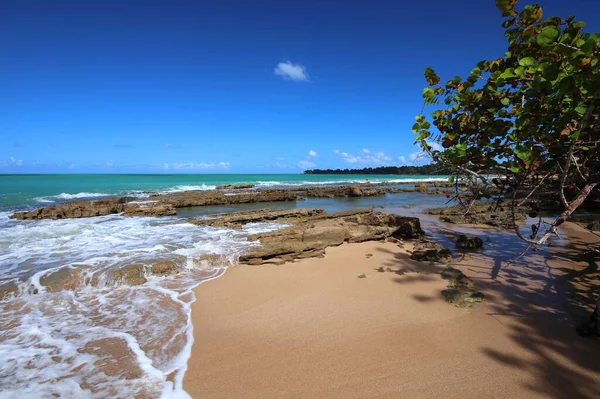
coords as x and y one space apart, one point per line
433 170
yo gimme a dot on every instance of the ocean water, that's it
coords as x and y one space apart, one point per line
71 324
39 190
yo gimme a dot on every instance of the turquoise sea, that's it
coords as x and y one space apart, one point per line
38 190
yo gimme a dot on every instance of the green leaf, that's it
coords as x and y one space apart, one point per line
431 77
527 61
508 73
505 101
589 46
581 110
548 35
579 25
515 168
451 179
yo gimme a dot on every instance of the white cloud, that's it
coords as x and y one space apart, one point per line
279 158
415 156
16 162
336 152
166 166
367 157
402 159
306 164
312 153
197 165
290 71
435 146
109 164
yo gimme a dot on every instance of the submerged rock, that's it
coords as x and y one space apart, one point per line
468 242
482 212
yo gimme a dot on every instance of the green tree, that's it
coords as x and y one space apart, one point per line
530 116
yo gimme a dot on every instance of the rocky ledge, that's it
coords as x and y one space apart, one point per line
482 212
167 204
310 231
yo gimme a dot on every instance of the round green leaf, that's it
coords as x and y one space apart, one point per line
505 101
548 35
527 61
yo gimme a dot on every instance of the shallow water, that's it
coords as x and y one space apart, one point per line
36 190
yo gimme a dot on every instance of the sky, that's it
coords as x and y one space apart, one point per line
231 86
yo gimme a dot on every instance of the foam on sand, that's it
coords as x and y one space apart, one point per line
73 329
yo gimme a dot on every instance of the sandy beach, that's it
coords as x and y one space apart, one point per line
314 329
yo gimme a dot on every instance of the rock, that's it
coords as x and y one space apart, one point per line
237 219
235 186
311 232
469 242
165 268
152 209
212 260
368 255
460 291
362 276
482 212
432 255
65 278
355 191
127 275
594 226
422 187
426 251
8 289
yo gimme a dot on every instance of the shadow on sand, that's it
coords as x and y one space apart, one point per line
539 299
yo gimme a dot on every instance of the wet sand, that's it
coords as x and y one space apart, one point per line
313 329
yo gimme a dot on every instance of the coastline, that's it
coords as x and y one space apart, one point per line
314 329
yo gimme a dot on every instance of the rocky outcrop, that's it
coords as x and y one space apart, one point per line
235 186
461 289
167 204
428 251
468 242
482 212
312 231
237 219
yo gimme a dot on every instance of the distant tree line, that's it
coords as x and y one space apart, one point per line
431 169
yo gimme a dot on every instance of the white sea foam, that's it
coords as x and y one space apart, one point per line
267 184
103 340
201 187
67 196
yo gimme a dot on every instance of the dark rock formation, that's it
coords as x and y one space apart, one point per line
460 291
468 242
427 251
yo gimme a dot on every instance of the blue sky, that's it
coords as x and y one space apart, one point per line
230 86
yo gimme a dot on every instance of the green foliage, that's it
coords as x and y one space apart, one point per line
534 111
